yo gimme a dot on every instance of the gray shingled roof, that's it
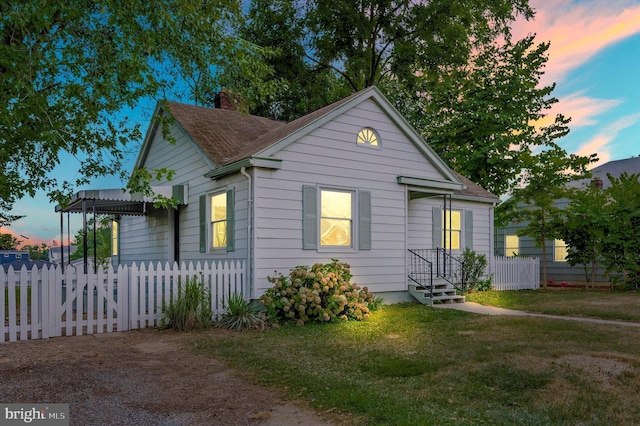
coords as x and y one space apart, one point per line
222 133
614 168
227 136
473 189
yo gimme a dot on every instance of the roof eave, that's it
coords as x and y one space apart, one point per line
236 166
430 184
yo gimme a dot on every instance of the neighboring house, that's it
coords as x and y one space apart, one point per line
8 255
19 263
352 181
558 269
55 253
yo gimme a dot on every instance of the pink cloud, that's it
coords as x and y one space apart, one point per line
578 31
584 109
600 143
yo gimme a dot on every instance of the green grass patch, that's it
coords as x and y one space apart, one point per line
17 299
613 305
412 365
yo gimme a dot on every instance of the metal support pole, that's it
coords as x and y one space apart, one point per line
84 234
68 238
62 240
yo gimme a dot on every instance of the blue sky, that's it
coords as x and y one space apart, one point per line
594 59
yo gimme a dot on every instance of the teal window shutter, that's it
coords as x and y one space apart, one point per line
231 212
436 225
364 220
309 217
203 224
468 229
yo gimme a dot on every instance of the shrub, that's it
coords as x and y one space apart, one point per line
321 293
473 271
190 309
241 314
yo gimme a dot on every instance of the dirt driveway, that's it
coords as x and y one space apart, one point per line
141 377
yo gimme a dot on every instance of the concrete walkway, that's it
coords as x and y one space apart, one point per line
477 308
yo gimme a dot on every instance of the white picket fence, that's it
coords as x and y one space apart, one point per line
515 273
38 304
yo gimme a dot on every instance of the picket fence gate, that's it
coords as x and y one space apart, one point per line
515 273
43 303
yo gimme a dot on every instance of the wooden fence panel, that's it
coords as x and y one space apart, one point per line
516 273
44 303
11 295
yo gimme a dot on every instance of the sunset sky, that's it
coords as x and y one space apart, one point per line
594 60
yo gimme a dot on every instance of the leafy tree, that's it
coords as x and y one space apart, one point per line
621 244
37 252
583 228
327 50
9 242
483 117
281 25
102 242
449 66
543 183
70 69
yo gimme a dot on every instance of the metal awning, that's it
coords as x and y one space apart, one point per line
115 202
121 202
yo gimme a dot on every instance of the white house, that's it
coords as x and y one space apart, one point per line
352 181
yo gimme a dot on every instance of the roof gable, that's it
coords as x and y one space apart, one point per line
614 168
270 143
226 137
219 134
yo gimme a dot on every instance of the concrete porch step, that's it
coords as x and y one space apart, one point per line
441 294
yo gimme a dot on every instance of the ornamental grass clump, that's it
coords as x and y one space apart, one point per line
321 293
190 309
241 314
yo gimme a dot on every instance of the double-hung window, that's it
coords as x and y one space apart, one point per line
114 238
559 250
451 220
217 221
511 245
336 218
452 229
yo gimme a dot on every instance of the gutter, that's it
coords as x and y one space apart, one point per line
252 289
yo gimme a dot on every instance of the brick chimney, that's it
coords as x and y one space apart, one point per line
224 99
597 183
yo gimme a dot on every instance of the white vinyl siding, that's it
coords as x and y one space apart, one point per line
148 238
425 224
328 158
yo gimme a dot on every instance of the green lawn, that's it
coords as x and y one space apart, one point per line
410 364
587 303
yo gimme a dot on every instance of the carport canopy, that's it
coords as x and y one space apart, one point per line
116 202
120 202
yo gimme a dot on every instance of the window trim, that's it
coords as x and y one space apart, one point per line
466 228
211 222
510 248
557 246
351 220
115 238
205 225
360 219
369 145
443 217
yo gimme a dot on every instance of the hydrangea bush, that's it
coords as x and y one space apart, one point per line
321 293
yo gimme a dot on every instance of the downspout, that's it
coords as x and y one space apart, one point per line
252 289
